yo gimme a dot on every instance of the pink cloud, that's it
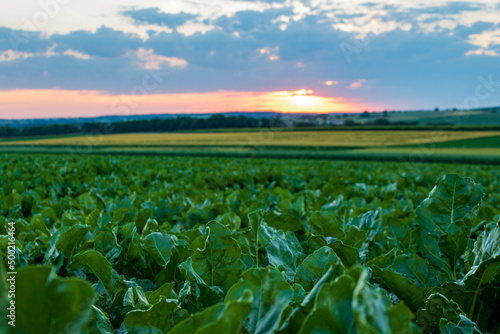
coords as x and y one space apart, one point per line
357 84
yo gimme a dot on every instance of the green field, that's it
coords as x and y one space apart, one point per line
431 146
108 244
457 118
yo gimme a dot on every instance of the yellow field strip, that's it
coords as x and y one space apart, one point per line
268 138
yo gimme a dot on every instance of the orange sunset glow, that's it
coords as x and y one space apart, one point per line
72 103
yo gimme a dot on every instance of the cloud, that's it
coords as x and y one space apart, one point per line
486 39
104 42
330 83
76 54
480 52
11 55
23 41
151 61
449 8
270 53
217 49
155 16
273 49
247 20
357 84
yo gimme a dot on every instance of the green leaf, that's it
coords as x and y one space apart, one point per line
407 276
316 265
46 303
159 318
230 220
478 280
332 312
135 298
142 218
87 202
356 237
92 219
100 322
71 238
349 255
271 295
326 224
166 290
371 222
350 305
99 266
221 318
487 245
196 216
218 263
189 272
159 247
294 321
444 221
437 307
374 312
418 269
284 221
105 242
403 287
285 253
195 297
249 239
464 326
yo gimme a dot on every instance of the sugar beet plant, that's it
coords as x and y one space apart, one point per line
159 245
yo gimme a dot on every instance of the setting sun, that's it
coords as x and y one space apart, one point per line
304 92
305 102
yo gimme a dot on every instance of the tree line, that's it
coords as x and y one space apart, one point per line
152 125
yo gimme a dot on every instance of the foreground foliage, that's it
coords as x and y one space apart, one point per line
163 245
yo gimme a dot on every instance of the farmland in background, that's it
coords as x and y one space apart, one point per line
266 138
437 146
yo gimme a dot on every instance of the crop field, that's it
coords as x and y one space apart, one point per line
424 146
264 138
180 245
451 117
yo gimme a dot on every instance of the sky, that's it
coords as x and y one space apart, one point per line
69 58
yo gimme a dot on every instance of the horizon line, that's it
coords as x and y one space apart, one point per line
246 112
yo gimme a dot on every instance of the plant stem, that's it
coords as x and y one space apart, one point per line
476 293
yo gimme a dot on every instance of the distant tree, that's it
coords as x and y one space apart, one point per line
365 114
436 109
350 122
381 121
